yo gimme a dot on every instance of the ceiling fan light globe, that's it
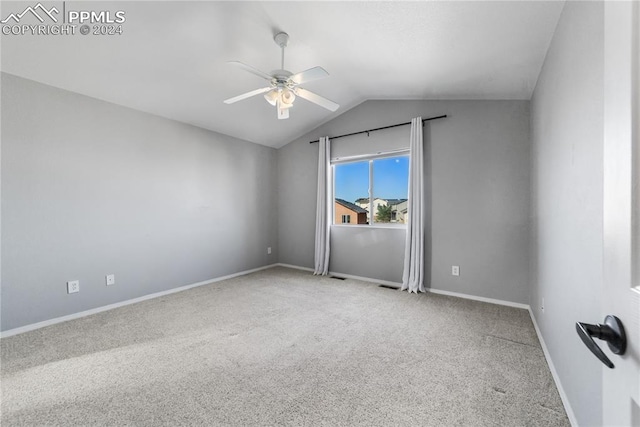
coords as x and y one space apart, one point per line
287 97
271 97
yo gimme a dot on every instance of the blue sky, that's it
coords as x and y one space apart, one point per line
390 177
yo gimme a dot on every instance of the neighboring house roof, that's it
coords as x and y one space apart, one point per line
389 202
351 206
395 201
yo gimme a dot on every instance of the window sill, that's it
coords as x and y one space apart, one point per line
369 226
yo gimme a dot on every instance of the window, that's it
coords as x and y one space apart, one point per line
372 190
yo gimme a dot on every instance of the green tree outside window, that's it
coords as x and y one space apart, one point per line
383 214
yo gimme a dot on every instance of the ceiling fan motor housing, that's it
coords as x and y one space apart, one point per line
281 78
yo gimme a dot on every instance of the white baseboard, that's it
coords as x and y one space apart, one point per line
399 284
34 326
295 267
344 276
476 298
554 373
366 279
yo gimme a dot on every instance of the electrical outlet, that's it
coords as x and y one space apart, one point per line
269 250
73 286
542 305
455 270
110 279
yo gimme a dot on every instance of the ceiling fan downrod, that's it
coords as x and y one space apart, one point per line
282 40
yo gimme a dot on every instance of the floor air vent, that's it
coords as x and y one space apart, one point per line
395 288
337 278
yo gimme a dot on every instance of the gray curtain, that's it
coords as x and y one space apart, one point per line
413 273
324 208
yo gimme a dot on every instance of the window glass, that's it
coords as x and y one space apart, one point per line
390 188
352 187
351 183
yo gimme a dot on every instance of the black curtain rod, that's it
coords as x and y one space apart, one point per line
373 130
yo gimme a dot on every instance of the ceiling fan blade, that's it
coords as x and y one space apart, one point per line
316 99
252 70
314 73
247 95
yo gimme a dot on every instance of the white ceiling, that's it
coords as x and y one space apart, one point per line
171 58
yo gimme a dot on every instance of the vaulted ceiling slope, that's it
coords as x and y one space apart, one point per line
171 58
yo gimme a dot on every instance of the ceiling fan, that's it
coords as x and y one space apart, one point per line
284 85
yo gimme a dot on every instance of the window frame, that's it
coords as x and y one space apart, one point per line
363 158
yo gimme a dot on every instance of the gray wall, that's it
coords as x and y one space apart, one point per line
91 188
567 138
477 189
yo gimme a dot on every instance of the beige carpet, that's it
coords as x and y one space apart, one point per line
282 347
